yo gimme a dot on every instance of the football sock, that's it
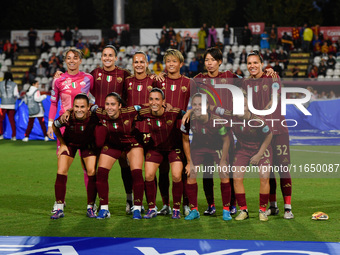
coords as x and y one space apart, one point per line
164 184
150 190
104 207
263 201
192 194
127 179
138 186
103 185
177 192
91 190
226 193
241 200
60 188
86 178
208 186
232 197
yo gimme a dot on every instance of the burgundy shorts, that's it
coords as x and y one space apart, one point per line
83 153
157 156
116 152
242 157
205 157
281 151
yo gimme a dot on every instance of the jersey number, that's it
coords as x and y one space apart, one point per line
281 150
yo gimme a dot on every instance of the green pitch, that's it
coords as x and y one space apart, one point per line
28 172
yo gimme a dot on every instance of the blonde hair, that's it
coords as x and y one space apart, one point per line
75 51
173 52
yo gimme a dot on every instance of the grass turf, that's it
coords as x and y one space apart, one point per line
28 173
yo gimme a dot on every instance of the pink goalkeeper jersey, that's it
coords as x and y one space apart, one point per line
66 88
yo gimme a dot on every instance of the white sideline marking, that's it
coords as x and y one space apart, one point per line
327 152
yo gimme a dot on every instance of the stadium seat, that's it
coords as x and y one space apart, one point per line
234 48
97 61
54 50
337 65
226 48
329 72
60 49
223 67
90 61
44 55
92 67
191 54
328 77
237 60
336 72
98 55
193 48
256 47
86 67
243 67
3 56
2 74
38 79
229 66
249 48
4 69
144 48
317 60
336 77
235 66
44 80
321 78
8 62
241 47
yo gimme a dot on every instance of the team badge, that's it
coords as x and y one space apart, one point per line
148 155
130 86
83 83
126 122
115 125
241 127
223 81
158 123
100 74
265 87
212 81
265 129
109 78
139 87
52 93
149 88
169 122
204 131
184 89
81 128
119 79
105 148
173 87
256 89
204 80
275 85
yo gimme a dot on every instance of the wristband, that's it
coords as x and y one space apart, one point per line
50 123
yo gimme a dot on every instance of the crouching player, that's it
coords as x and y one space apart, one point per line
78 135
253 147
208 141
164 143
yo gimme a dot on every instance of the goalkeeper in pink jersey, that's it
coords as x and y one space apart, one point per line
65 88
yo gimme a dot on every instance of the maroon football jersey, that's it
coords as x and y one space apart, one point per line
262 94
121 130
79 133
250 137
177 91
163 130
106 82
217 96
138 90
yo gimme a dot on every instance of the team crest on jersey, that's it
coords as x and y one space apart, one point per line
105 148
139 87
158 123
130 86
52 93
212 81
241 127
265 87
115 125
126 122
169 122
173 87
275 85
256 88
81 128
204 131
109 78
149 88
148 155
204 80
223 81
74 85
119 79
184 89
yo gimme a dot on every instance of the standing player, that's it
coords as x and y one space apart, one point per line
66 87
164 143
252 147
77 134
122 134
176 88
209 145
262 88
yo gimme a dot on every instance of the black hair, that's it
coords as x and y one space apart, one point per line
82 96
109 46
255 53
116 96
159 91
215 53
8 76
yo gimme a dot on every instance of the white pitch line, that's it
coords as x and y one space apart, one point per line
327 152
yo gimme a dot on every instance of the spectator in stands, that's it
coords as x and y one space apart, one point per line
295 71
157 68
327 40
243 57
230 56
173 43
315 95
77 35
264 43
246 35
322 68
287 42
273 56
68 35
44 47
226 35
313 74
331 49
164 31
193 67
272 39
159 55
53 58
206 29
307 38
296 37
324 49
323 95
201 39
316 39
331 61
316 30
113 35
277 68
41 71
32 37
179 37
171 32
57 37
15 47
52 69
331 95
317 49
162 43
7 49
44 63
188 42
266 55
283 58
80 44
61 67
86 51
184 70
212 37
219 44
